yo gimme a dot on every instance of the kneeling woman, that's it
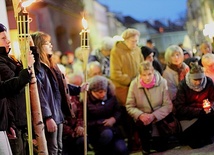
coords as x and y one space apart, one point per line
148 83
103 118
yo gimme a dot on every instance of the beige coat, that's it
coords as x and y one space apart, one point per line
158 95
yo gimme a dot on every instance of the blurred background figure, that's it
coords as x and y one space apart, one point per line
93 68
102 55
204 48
208 64
56 57
78 60
73 131
148 55
150 44
68 68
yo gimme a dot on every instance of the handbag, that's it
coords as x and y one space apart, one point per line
169 125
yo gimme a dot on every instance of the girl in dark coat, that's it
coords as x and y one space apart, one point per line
54 93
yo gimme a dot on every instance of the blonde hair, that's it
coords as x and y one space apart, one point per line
170 51
144 66
39 39
207 59
128 33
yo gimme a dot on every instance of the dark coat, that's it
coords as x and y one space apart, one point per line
189 103
9 68
54 93
7 89
98 111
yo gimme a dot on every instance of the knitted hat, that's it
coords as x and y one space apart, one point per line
146 51
2 28
196 71
97 83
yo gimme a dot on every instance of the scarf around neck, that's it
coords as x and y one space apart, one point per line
149 85
193 87
180 69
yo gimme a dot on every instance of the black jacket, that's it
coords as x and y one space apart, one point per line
10 68
7 89
188 103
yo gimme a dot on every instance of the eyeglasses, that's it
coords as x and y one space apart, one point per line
47 43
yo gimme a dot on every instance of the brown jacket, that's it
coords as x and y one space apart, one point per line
124 68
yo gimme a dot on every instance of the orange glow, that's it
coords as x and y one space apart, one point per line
84 23
206 104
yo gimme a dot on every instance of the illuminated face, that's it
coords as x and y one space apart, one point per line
100 95
150 57
4 41
106 53
176 58
48 47
209 66
206 48
95 70
196 82
131 42
147 76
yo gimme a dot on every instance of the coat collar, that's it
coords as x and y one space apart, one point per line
3 51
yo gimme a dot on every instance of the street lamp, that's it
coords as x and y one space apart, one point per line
209 30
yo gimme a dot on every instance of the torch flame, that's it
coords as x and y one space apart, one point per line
28 3
84 23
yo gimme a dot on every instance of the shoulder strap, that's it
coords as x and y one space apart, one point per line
148 99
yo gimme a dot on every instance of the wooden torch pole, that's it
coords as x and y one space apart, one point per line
85 52
33 106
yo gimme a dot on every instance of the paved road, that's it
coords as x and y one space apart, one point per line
185 150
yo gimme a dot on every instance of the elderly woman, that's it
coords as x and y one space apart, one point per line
175 70
102 55
208 64
124 61
103 118
148 83
196 119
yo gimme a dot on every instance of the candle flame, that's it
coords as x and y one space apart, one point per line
84 23
27 3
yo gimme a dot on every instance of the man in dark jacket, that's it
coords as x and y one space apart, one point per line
9 68
7 89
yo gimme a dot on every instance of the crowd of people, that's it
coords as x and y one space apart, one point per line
123 81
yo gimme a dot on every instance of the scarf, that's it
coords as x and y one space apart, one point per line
149 85
193 87
180 69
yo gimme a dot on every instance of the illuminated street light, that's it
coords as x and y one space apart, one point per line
209 30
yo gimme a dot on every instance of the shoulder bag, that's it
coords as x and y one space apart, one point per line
169 125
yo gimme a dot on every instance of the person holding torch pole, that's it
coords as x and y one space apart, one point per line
10 89
54 93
